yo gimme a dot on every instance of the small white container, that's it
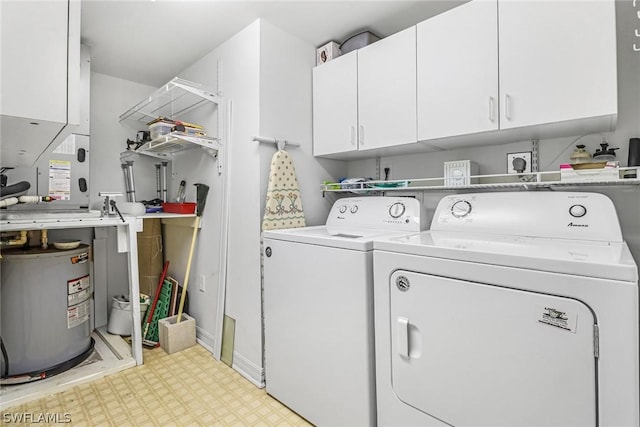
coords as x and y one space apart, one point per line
459 172
327 52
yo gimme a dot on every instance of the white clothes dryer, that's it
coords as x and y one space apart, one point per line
515 309
318 309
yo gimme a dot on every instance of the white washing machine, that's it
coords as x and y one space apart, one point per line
515 309
318 309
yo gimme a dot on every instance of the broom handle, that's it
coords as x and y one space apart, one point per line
196 224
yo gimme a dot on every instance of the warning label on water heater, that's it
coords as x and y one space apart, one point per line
78 290
560 319
78 314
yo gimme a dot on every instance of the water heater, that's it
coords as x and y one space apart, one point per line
46 304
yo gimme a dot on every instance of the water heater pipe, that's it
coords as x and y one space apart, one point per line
44 239
16 242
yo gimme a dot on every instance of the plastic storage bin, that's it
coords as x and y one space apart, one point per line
179 208
159 129
358 41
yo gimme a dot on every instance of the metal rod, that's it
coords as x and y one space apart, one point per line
131 191
275 141
158 183
164 181
125 172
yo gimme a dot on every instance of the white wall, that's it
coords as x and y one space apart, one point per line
238 63
553 152
266 73
109 98
286 113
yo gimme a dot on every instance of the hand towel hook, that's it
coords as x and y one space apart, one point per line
281 144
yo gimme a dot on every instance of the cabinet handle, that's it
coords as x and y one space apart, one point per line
507 107
352 130
491 109
361 135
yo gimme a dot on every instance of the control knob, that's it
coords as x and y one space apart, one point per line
577 211
397 209
354 209
342 209
461 208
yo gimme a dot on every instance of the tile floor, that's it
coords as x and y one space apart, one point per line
188 388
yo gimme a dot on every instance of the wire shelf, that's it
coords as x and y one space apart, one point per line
481 182
175 142
172 100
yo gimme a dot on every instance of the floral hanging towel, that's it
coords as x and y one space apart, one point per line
284 203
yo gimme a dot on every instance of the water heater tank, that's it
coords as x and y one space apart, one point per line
45 300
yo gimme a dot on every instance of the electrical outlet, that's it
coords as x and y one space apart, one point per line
526 156
202 283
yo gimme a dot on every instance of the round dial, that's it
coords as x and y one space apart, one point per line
577 211
342 209
461 208
397 209
354 209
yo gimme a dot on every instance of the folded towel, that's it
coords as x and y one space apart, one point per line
284 202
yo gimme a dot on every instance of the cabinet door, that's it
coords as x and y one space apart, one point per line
557 61
335 108
40 89
34 60
387 91
458 71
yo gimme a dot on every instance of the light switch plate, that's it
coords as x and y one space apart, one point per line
526 155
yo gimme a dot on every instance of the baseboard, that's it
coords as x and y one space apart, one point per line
246 368
242 365
206 340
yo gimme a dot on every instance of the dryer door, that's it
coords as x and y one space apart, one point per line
472 354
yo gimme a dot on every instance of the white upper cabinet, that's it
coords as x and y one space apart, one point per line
485 72
387 92
557 61
40 57
335 106
366 99
458 71
537 68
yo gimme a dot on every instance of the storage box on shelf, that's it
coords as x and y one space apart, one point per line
179 208
163 126
159 129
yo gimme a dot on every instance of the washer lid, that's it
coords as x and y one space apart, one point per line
360 239
607 260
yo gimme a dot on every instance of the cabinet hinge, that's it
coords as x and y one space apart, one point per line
596 341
